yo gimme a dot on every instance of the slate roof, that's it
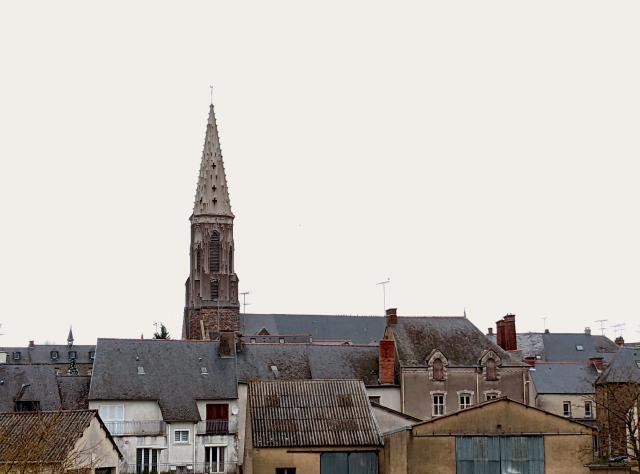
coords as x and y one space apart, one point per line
39 383
561 347
74 391
358 329
624 367
41 354
456 337
172 374
311 413
56 433
308 361
570 378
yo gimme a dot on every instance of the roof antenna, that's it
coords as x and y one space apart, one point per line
618 329
544 323
602 326
384 293
464 312
244 301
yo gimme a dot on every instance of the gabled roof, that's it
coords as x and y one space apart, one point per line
28 383
172 374
357 329
308 361
558 377
456 337
46 437
41 354
74 391
623 368
311 413
506 417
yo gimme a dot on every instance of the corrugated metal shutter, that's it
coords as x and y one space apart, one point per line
349 463
477 455
522 454
331 463
363 463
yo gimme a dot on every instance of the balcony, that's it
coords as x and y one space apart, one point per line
136 428
213 427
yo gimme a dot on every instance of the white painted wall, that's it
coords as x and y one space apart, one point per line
389 396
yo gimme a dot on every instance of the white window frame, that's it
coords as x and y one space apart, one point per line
210 467
435 412
588 413
465 394
181 441
566 413
491 395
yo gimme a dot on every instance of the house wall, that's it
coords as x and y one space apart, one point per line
265 461
389 396
94 449
418 388
431 447
554 403
389 421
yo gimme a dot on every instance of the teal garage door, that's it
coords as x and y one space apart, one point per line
499 455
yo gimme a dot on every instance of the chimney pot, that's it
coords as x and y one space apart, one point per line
587 331
619 341
546 331
490 332
32 344
392 316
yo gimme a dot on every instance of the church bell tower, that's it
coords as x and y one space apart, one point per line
212 287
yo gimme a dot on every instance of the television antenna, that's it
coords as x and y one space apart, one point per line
602 325
384 284
244 301
618 328
544 322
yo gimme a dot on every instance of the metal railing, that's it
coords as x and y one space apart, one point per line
213 427
136 428
186 468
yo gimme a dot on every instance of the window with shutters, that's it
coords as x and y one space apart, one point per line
215 289
214 252
147 460
438 369
491 369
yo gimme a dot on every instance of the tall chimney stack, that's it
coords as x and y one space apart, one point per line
500 334
511 340
387 361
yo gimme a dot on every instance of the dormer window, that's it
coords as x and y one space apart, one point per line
72 355
92 355
54 355
203 370
17 355
491 369
438 369
579 347
140 370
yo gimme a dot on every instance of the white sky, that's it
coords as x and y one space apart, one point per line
480 154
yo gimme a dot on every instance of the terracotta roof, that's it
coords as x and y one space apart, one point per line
307 413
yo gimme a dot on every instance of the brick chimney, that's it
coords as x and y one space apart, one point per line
500 334
619 341
392 316
387 361
510 339
587 331
597 362
32 344
490 333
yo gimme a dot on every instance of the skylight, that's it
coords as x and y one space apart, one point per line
140 370
579 347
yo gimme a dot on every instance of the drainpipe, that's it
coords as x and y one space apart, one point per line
402 390
195 437
477 387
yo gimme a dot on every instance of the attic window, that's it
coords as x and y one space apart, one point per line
638 363
281 340
92 355
54 355
140 370
72 355
16 356
203 370
579 347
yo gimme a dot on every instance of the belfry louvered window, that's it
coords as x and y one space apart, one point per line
214 252
215 289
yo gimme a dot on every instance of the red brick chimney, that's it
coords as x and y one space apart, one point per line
619 341
387 361
597 362
510 332
392 316
500 334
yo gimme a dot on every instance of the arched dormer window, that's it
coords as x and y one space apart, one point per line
438 369
214 252
491 369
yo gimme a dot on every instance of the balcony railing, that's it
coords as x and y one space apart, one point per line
213 427
136 428
190 468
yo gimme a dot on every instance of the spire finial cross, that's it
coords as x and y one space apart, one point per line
211 89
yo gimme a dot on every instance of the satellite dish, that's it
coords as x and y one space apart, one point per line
234 410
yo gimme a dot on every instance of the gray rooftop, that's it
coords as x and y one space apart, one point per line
172 374
358 329
308 361
308 413
624 367
569 378
39 383
456 337
42 354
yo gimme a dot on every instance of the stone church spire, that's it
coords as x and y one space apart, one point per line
212 194
211 304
